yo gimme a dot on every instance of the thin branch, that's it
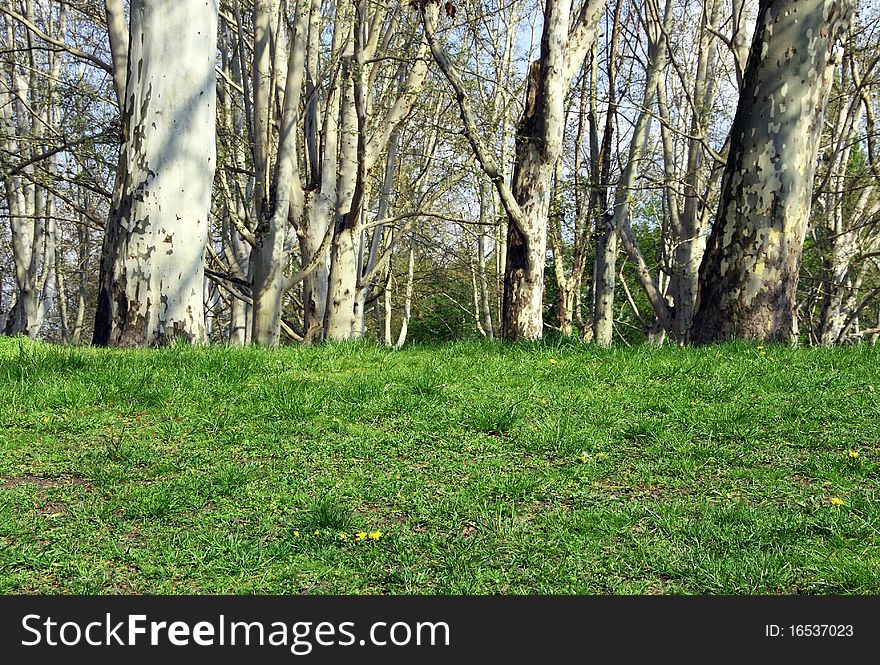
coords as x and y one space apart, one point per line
57 42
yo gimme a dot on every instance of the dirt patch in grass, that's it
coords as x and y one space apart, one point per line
64 480
53 509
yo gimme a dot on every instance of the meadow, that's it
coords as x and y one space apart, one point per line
465 468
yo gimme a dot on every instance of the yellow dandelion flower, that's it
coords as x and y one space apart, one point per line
761 347
296 534
835 501
553 361
45 420
854 453
317 532
583 458
374 535
360 535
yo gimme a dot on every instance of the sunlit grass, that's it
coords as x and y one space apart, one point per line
541 468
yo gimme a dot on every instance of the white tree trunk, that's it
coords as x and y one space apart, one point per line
117 31
17 125
153 265
486 224
407 303
340 318
690 229
621 221
377 240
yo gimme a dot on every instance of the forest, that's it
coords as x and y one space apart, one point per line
278 172
337 297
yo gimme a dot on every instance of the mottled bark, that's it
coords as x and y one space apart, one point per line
539 146
152 274
749 274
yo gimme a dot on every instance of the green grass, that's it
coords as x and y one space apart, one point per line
487 469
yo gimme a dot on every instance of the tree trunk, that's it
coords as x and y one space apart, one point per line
378 239
83 238
340 318
604 270
486 213
689 232
152 274
605 263
117 31
539 144
538 147
407 302
749 274
16 124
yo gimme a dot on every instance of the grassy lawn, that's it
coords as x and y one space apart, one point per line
550 469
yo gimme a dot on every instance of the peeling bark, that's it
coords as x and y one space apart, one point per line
749 274
152 275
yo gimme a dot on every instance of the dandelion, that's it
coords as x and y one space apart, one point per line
296 534
854 454
761 347
553 361
360 535
45 420
583 458
374 535
317 532
835 501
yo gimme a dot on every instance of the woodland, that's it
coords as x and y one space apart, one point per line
279 172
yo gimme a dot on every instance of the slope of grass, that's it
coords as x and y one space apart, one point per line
551 469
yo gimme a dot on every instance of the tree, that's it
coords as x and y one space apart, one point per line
844 243
315 192
28 112
564 44
152 269
749 273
